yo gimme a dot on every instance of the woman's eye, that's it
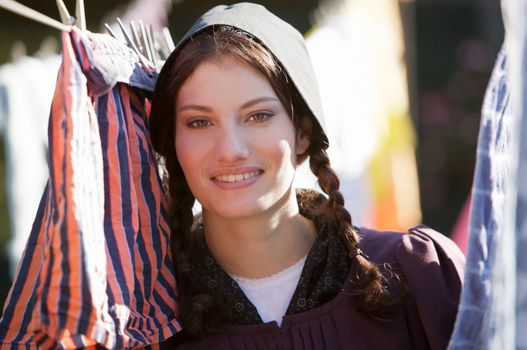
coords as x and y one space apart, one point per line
260 116
198 123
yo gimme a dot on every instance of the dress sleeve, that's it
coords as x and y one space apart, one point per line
433 268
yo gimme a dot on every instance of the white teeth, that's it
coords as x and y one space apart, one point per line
237 177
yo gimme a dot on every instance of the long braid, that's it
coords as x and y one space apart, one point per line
200 311
369 293
180 214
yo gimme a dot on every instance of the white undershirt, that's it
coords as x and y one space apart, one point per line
271 295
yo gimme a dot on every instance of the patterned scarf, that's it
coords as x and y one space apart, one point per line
322 277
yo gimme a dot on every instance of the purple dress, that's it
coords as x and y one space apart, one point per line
430 265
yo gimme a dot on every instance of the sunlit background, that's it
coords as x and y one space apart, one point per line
408 103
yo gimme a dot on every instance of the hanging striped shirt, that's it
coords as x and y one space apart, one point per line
97 267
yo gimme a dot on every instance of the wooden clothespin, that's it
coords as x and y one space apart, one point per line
80 14
110 30
152 45
65 16
142 29
136 37
168 39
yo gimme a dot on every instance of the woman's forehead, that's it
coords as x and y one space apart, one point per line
214 80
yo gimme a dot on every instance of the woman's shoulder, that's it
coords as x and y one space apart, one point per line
432 269
420 245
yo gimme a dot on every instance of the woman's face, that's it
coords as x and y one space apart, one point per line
234 139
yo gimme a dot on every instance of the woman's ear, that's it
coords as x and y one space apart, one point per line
302 143
303 139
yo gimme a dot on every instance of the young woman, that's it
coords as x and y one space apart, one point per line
235 111
265 266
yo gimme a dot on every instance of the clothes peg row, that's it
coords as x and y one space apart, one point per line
151 47
36 16
144 61
153 43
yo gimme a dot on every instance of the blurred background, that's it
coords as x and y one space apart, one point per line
402 84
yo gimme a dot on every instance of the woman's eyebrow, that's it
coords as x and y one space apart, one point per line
193 106
258 100
245 105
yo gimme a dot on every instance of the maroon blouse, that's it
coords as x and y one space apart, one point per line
430 264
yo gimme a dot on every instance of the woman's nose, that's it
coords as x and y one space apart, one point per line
231 145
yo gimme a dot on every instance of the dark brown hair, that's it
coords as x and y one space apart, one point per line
200 311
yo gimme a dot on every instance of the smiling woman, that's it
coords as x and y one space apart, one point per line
234 112
236 109
235 140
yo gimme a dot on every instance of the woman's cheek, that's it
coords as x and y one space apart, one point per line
191 150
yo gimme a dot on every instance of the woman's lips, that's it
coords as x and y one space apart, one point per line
237 179
232 178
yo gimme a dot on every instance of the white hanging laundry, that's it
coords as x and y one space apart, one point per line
27 87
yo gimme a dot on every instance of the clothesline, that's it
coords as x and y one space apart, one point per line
25 11
149 48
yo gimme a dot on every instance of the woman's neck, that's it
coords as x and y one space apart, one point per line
260 245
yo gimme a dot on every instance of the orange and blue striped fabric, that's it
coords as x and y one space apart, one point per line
97 268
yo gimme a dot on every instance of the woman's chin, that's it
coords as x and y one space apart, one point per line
235 210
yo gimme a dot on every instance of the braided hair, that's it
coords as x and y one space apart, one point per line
202 312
